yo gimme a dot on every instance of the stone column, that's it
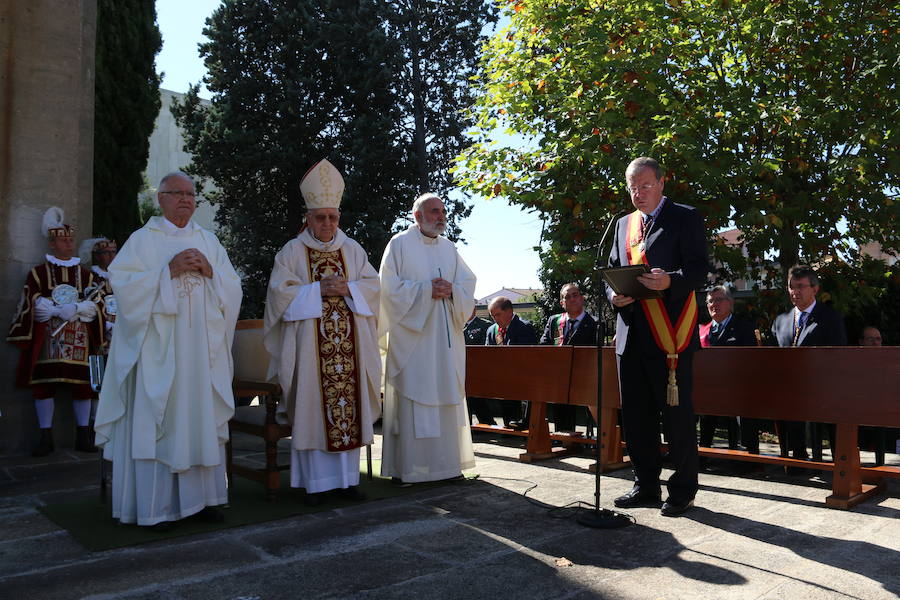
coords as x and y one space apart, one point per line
46 159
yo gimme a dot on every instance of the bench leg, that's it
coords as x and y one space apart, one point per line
847 488
273 475
539 446
609 436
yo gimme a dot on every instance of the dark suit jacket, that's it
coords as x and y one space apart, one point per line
585 335
676 243
824 327
738 332
519 333
475 331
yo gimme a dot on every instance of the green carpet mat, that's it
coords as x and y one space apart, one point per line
90 521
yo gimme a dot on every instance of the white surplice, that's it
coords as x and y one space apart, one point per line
293 305
166 397
426 426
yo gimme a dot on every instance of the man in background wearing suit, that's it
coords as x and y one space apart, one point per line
475 333
655 377
809 323
509 330
574 327
727 329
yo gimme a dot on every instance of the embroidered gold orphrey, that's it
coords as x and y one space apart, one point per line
338 373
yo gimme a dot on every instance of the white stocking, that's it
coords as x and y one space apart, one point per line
82 409
44 409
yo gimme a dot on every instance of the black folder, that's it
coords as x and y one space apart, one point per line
623 281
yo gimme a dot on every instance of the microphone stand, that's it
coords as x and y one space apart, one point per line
601 518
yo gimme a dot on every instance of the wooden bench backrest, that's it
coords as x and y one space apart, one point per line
251 360
833 385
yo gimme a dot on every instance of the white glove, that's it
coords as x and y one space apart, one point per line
66 312
44 309
86 311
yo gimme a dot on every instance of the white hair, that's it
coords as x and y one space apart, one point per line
417 205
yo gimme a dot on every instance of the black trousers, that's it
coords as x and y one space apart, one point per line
481 408
709 424
642 381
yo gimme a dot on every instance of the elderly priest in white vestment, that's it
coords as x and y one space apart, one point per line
166 397
320 328
426 299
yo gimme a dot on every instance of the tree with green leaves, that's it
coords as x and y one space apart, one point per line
778 117
126 103
294 82
440 44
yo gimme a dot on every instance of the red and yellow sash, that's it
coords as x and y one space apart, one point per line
671 340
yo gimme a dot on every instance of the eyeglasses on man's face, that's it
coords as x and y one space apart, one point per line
641 188
179 193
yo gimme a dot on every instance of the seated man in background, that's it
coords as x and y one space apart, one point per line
475 332
509 330
574 327
727 329
870 336
876 438
808 323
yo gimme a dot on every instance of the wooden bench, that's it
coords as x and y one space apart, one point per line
847 386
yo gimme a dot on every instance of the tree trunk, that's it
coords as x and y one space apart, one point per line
419 150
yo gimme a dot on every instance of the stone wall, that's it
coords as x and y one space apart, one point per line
46 159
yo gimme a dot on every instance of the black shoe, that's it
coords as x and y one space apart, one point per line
351 493
83 442
636 498
314 499
163 526
211 514
797 471
45 445
399 482
674 509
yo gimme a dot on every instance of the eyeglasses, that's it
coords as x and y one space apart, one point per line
643 188
180 193
716 300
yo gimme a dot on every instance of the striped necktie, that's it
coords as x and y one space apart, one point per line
801 322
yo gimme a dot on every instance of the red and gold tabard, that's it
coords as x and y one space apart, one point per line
337 360
671 340
63 357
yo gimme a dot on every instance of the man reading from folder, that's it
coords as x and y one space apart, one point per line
656 338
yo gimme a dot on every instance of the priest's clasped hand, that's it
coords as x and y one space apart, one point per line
441 288
334 285
190 260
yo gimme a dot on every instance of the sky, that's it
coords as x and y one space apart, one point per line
499 238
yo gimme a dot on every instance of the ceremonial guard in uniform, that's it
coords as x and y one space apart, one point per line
56 326
100 252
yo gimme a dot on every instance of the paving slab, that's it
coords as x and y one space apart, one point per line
511 533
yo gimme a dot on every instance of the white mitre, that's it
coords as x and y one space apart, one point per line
322 186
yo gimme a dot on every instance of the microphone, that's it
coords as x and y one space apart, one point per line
606 231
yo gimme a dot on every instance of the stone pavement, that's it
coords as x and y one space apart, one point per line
766 536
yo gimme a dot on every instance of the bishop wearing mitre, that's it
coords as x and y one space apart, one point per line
320 329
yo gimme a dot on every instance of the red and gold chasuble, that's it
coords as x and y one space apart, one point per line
336 352
671 340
